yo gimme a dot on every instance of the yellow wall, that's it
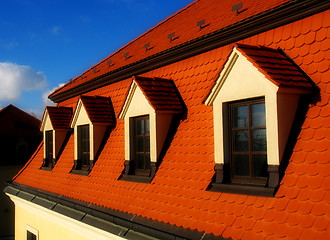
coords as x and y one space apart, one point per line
51 225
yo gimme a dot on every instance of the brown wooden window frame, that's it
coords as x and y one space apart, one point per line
83 147
145 136
250 179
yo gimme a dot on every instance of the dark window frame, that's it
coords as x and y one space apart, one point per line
251 179
145 140
31 236
49 159
83 147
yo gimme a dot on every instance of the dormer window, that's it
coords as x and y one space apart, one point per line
149 109
91 120
141 144
248 143
83 146
49 146
254 103
55 126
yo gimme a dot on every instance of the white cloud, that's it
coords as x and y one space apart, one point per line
14 79
46 100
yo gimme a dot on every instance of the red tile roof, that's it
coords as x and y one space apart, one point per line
99 109
276 66
161 93
60 117
178 193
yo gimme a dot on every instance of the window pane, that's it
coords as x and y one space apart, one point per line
49 145
140 161
241 141
147 144
140 127
83 144
260 165
240 116
30 236
258 115
139 144
242 167
259 142
147 126
147 161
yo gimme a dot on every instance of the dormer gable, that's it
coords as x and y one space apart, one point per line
92 117
55 126
150 104
259 77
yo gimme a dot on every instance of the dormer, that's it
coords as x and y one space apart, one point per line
92 117
55 126
148 111
254 104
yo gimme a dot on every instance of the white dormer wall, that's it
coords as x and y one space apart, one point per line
81 118
59 135
96 132
137 105
240 80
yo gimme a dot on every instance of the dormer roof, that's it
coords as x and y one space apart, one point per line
99 109
276 66
161 94
60 117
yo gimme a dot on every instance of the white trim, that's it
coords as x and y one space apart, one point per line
222 78
70 224
43 123
76 114
31 230
128 100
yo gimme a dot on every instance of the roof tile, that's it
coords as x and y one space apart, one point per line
322 235
308 233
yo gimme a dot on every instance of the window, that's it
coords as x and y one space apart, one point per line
30 236
31 233
248 144
141 139
49 148
83 146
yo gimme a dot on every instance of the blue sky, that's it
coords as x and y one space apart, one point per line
45 43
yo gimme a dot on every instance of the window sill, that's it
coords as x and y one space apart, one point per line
80 172
46 168
243 189
136 178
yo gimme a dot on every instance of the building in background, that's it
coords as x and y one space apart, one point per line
19 138
214 124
